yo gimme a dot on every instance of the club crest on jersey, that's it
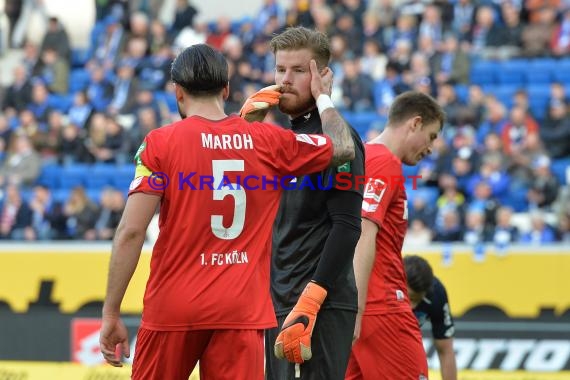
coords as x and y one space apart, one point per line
373 193
311 139
138 160
344 168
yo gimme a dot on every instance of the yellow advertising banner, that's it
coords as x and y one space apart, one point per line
69 371
520 283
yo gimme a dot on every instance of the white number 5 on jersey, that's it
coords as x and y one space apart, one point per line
219 167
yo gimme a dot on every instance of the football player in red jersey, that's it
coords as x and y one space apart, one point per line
207 297
388 342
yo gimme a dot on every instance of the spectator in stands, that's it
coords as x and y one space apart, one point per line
5 136
494 121
486 36
476 104
109 44
557 93
183 17
221 31
12 9
54 71
450 199
31 58
504 232
560 42
463 15
418 234
39 106
18 94
555 131
15 217
300 14
450 63
373 61
56 38
356 88
536 36
520 125
112 205
113 148
564 228
125 88
513 29
269 9
520 161
262 62
44 211
385 9
439 161
324 18
491 171
484 202
447 98
345 25
73 149
475 229
404 34
22 165
432 25
544 186
422 210
154 71
81 214
49 142
373 30
81 110
540 233
450 230
100 89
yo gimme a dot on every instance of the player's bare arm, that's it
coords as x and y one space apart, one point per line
333 123
125 254
446 354
363 262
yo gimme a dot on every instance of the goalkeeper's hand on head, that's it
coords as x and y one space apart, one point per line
294 340
257 105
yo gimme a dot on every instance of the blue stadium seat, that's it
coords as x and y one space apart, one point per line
559 168
61 103
122 183
60 195
50 175
73 175
95 181
430 194
79 57
462 92
78 80
483 72
511 73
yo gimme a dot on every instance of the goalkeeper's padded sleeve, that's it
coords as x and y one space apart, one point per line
257 105
294 340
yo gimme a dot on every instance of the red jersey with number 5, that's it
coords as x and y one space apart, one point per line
220 183
385 203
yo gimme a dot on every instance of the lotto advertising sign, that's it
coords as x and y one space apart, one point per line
85 340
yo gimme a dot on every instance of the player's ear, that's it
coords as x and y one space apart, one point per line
226 91
416 123
179 92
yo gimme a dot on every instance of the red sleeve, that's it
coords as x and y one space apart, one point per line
297 154
148 178
379 192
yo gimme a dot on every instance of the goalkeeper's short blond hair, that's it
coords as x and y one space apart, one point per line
299 37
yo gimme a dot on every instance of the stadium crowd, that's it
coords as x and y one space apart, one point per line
72 120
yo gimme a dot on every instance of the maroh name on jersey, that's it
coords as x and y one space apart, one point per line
235 141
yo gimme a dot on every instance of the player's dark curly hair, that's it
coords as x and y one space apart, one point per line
200 70
419 273
414 103
299 37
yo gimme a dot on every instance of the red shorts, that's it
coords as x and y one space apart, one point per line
223 354
389 348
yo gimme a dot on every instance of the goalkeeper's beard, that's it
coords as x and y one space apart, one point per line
293 106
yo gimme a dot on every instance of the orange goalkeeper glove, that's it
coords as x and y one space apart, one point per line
294 340
257 105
